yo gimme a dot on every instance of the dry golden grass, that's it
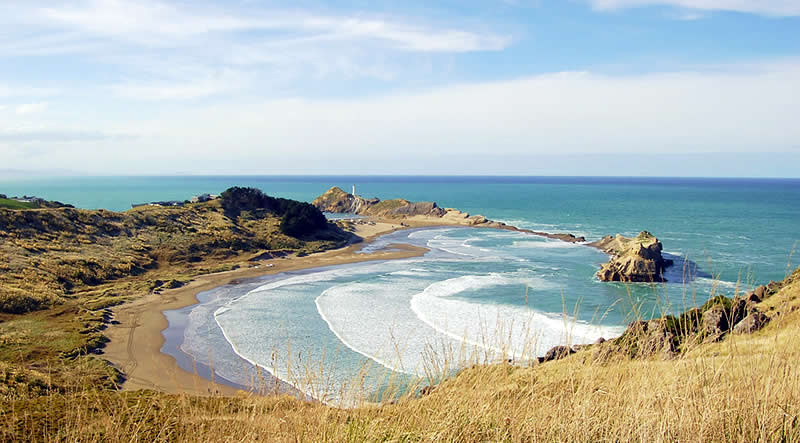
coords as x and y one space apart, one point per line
48 256
60 268
744 388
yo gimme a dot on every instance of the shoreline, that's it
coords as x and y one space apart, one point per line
136 334
136 331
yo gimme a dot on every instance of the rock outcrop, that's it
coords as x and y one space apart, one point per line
556 353
751 323
636 259
338 201
569 238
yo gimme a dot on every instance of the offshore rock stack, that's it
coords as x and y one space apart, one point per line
636 259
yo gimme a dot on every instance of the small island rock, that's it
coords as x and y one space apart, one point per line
636 259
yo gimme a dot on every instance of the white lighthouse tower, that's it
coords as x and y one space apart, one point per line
354 190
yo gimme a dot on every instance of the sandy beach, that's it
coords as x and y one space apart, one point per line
136 334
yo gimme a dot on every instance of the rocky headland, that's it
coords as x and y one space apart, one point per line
635 259
337 201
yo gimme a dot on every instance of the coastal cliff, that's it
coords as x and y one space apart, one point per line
635 259
337 201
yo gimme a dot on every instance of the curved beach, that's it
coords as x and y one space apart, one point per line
136 335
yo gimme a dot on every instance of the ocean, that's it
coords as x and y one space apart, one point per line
480 295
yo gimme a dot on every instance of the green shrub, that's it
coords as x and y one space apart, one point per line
14 301
298 219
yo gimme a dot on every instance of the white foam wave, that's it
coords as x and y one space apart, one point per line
554 244
511 330
377 335
429 233
320 276
309 391
453 246
413 272
719 283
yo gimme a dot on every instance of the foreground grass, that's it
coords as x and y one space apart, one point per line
744 388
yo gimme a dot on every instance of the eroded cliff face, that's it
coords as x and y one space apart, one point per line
636 259
338 201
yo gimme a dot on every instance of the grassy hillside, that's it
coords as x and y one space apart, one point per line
745 387
48 256
13 204
60 269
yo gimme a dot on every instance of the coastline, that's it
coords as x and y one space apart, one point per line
136 332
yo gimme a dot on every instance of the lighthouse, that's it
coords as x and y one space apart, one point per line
354 190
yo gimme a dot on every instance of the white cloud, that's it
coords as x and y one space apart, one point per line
690 16
201 84
741 108
31 108
183 50
161 24
727 109
29 136
24 91
782 8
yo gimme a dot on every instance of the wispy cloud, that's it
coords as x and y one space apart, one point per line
185 50
690 16
25 91
779 8
28 136
204 85
729 108
159 24
31 108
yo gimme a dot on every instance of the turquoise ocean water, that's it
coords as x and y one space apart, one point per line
480 293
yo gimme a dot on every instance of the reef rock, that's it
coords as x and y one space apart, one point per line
569 238
636 259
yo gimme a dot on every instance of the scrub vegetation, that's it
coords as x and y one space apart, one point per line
62 268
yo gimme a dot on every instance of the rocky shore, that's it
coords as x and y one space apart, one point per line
337 201
637 259
671 335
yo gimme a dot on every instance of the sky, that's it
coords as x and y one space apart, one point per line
448 87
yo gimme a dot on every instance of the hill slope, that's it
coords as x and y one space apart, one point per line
61 268
49 254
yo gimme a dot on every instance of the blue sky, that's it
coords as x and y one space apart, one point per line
572 87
